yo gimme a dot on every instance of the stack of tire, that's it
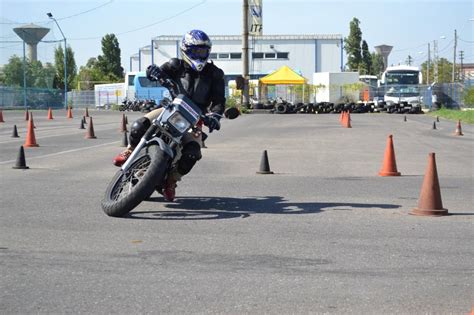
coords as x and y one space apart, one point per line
399 108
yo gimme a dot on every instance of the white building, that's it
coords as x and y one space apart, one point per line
306 54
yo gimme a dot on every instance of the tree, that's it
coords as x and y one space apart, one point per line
352 46
109 62
13 71
59 65
377 64
366 65
89 75
445 69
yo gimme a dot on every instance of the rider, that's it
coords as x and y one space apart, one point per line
200 80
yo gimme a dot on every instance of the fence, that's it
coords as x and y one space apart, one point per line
450 95
16 97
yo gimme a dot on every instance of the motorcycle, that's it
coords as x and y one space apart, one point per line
157 152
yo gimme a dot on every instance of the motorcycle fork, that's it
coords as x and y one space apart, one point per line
143 141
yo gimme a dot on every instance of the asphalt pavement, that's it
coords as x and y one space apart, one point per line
323 234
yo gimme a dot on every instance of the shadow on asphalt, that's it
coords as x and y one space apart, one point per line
210 208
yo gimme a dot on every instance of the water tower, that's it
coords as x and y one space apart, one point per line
31 35
384 50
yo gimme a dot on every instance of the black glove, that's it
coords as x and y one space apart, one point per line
213 121
153 72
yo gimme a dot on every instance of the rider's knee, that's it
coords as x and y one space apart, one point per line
138 129
190 154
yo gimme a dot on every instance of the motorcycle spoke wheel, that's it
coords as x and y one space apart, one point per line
130 179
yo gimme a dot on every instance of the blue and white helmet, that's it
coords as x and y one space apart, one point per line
195 49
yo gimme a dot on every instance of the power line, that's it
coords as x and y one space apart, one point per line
466 41
63 18
149 25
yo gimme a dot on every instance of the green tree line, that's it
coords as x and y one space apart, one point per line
105 68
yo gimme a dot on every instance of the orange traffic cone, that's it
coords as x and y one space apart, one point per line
430 203
341 116
27 116
69 113
33 122
50 114
458 131
347 121
389 167
30 140
1 116
90 130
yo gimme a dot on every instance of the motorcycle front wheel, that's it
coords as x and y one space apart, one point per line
128 189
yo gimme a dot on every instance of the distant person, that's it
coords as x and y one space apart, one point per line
200 80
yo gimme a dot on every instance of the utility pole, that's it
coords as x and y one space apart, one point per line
428 66
461 59
435 61
454 57
245 53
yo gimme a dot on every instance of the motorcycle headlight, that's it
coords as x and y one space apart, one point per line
179 122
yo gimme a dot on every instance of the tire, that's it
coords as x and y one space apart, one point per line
280 109
155 163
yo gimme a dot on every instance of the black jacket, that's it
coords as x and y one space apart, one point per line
205 88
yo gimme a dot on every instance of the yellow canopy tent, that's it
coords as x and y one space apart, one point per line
284 75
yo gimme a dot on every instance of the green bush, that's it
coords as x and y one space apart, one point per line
469 97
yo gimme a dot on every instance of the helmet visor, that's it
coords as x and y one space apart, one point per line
198 52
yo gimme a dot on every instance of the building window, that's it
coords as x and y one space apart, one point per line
223 56
282 55
213 55
270 55
257 55
235 55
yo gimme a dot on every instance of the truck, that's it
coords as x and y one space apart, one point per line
136 86
401 84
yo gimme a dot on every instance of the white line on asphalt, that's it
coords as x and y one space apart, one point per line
63 152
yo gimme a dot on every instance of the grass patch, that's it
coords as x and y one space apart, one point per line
452 114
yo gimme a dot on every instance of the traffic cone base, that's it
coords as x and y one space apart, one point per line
390 173
264 165
430 203
429 212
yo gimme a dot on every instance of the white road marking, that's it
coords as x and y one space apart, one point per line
63 152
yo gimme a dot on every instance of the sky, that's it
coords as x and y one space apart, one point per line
406 25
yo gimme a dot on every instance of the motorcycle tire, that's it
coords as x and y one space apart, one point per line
142 177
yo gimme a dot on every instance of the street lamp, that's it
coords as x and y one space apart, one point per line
65 58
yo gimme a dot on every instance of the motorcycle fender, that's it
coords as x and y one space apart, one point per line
163 146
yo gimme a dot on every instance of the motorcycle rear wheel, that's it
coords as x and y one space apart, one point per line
128 189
